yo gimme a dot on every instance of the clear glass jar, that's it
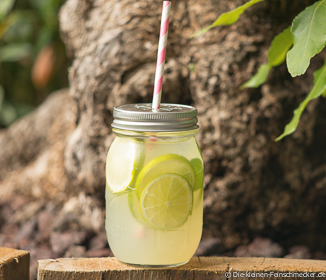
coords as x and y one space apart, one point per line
154 193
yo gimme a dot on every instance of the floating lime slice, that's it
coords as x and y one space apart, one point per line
166 202
124 161
169 163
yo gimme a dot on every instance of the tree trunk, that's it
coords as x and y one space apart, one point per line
253 185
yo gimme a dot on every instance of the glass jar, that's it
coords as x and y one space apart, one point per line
154 192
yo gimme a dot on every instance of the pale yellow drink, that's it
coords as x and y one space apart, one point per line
134 243
154 197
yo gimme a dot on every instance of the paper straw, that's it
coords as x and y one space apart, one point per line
161 55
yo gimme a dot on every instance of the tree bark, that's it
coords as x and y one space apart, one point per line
32 151
253 185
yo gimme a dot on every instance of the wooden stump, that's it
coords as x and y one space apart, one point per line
197 269
14 264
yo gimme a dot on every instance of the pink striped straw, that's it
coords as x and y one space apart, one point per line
161 55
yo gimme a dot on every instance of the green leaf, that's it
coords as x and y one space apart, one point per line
16 17
5 7
6 24
259 78
276 55
317 90
44 38
228 18
309 37
15 52
23 109
8 114
279 47
2 96
317 74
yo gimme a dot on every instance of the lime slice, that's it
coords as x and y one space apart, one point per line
169 163
124 161
134 206
166 202
197 165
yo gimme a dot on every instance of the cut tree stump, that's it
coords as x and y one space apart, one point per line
14 264
202 268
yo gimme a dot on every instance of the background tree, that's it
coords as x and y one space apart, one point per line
253 186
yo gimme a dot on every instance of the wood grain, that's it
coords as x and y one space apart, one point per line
196 269
14 264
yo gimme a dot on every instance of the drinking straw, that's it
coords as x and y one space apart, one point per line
161 55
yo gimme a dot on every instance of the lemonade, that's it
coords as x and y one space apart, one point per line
154 192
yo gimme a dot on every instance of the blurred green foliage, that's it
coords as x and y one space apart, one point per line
33 60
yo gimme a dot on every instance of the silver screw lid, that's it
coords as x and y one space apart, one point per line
141 117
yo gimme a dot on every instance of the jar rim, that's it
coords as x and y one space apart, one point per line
141 117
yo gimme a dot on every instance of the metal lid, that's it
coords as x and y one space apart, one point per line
141 117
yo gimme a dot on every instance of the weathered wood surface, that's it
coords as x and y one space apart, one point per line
14 264
198 268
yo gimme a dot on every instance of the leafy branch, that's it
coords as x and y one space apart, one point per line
318 89
297 44
276 56
229 17
309 37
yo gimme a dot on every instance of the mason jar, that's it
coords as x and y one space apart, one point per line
154 185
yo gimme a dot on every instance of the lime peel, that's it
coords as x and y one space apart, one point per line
123 168
198 167
168 163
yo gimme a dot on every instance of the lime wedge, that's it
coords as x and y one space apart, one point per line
166 202
134 206
197 165
124 160
169 163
